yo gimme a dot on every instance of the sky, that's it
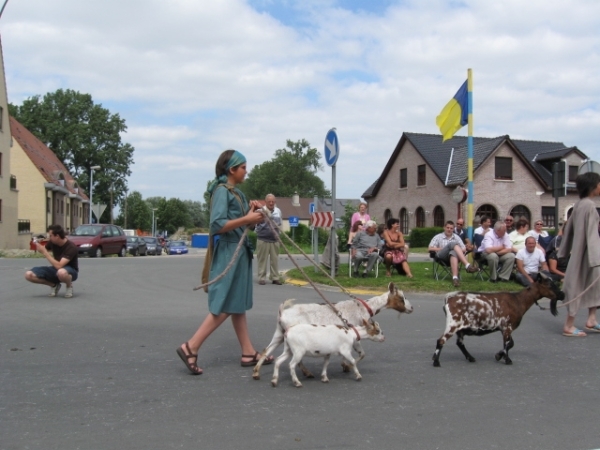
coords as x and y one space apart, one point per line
193 78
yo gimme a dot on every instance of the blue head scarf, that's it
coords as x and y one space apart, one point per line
236 159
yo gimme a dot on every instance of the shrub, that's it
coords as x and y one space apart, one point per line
421 237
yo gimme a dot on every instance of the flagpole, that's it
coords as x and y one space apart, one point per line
470 150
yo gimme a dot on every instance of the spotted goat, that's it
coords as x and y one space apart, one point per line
323 341
354 311
481 313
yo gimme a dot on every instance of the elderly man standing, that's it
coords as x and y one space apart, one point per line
529 262
267 244
496 248
449 248
365 246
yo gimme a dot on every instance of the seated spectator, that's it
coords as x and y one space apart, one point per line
555 241
557 266
462 233
449 248
485 224
496 249
518 236
358 226
365 247
510 225
529 262
393 250
541 236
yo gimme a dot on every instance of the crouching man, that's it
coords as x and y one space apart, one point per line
64 265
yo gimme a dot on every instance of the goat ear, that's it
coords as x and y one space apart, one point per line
391 287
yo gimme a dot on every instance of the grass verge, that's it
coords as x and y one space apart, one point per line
423 280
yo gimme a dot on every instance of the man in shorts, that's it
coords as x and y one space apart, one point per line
63 259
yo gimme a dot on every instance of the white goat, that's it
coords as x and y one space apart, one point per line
354 311
323 341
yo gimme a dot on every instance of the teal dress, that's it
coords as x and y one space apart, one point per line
233 293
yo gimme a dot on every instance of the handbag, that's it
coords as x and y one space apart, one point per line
398 256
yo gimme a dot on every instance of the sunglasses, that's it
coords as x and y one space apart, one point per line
539 224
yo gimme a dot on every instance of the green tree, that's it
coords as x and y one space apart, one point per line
293 169
81 134
139 214
197 213
172 214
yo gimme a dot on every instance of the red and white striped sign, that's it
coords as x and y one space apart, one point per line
322 219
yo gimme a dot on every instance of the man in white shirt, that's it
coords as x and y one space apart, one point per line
529 261
496 249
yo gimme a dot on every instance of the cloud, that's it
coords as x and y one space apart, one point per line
192 79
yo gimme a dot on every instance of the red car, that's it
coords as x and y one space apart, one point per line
97 240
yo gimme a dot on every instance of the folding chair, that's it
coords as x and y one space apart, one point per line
363 264
441 269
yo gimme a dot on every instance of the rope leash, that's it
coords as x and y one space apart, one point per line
581 294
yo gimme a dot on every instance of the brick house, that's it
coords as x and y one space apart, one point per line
510 176
48 194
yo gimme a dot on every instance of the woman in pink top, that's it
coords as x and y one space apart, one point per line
360 215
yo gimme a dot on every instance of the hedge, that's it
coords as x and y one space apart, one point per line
421 237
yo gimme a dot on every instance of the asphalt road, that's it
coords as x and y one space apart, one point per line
99 371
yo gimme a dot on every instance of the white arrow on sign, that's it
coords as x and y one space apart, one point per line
332 148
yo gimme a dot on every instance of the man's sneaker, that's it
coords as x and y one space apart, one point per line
456 282
472 269
69 292
54 290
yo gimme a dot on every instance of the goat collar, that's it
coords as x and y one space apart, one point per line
366 305
356 331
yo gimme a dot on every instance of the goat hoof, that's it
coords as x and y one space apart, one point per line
436 364
298 385
358 378
498 356
345 368
256 376
309 375
325 380
508 362
274 383
471 359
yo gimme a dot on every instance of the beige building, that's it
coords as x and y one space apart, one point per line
13 232
48 194
510 176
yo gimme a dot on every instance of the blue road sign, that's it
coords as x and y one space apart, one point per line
311 208
332 147
294 221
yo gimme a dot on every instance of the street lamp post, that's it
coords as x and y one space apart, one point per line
153 228
92 188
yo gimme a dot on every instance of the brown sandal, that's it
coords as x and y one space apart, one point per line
255 359
185 357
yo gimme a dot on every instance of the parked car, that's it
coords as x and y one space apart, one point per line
154 247
176 248
137 246
97 240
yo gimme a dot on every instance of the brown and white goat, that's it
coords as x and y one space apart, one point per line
480 313
354 311
323 341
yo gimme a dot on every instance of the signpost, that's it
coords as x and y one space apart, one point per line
294 221
332 152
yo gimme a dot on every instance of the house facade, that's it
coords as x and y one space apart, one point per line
48 194
14 234
424 180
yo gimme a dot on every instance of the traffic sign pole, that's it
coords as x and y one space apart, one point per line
315 236
332 153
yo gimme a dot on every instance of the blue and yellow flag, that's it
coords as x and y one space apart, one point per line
455 114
